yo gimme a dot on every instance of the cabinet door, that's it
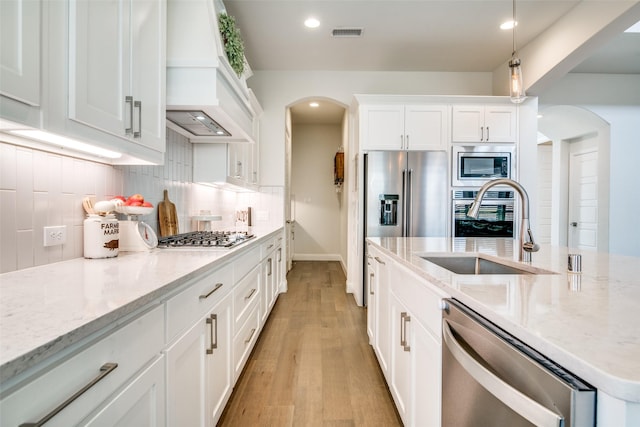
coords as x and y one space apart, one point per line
426 360
371 296
501 123
148 53
467 123
99 64
199 370
141 403
383 321
20 50
400 385
383 127
218 362
186 377
426 127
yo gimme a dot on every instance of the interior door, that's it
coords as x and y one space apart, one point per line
583 195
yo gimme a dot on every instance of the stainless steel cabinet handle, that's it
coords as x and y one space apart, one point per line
248 340
129 100
270 267
207 295
481 133
527 408
487 133
105 370
213 333
405 318
379 260
270 246
402 340
138 105
370 284
279 254
401 142
574 224
253 291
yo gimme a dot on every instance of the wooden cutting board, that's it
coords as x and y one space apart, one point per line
167 217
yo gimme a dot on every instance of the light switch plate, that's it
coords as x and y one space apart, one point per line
55 235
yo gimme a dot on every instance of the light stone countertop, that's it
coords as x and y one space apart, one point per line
589 323
46 309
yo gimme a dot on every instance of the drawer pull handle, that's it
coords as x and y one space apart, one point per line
105 370
207 295
253 291
371 276
380 261
279 254
248 340
129 100
138 105
404 318
213 333
270 267
270 246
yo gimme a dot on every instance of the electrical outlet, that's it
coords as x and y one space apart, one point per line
56 235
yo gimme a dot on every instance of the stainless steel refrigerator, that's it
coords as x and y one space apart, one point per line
406 194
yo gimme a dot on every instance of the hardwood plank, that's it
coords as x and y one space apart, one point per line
312 365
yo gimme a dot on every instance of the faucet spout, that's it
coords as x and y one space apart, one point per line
526 242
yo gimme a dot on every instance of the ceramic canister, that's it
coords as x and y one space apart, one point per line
101 236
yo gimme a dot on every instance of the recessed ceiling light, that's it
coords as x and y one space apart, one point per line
314 105
311 23
507 25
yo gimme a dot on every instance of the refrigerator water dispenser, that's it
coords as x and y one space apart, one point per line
389 209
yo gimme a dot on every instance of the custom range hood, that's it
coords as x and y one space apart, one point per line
206 100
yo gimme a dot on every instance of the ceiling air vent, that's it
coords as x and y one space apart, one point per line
346 32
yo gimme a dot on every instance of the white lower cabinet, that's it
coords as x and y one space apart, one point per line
407 340
141 403
415 368
199 370
121 364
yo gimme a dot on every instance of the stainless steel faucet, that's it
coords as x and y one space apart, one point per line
526 246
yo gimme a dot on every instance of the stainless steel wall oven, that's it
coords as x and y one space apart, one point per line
496 217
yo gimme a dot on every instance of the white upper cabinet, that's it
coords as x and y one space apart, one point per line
117 68
484 123
404 127
20 33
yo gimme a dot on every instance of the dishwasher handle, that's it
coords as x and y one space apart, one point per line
527 408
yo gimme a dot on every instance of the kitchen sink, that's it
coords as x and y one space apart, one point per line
477 265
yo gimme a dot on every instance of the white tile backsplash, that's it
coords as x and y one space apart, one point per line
39 189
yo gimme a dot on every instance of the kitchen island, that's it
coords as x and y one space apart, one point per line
586 322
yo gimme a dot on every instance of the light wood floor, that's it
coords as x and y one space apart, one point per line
312 365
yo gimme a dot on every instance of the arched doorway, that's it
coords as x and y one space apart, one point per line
576 154
315 207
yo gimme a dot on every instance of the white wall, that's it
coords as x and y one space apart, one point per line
615 98
317 205
277 89
39 189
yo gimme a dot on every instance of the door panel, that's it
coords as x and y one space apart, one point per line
583 195
384 177
429 199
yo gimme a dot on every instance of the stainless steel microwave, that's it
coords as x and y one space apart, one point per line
475 165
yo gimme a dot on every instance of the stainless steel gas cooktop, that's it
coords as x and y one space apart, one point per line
205 239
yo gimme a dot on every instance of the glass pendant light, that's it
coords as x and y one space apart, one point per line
516 88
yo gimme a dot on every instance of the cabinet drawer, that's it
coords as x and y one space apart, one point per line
244 263
246 292
130 347
421 298
184 309
245 339
268 247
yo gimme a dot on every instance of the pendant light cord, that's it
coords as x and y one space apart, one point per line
514 29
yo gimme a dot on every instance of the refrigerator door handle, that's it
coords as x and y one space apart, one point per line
409 199
404 203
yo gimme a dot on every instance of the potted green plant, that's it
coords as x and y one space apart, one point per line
232 41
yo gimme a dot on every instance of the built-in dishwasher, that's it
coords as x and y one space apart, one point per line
490 378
